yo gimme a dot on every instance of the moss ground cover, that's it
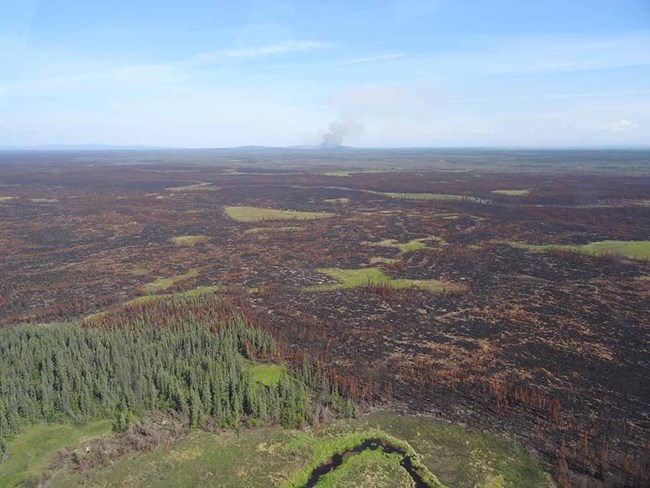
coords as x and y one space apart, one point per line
404 247
162 284
267 374
272 456
342 201
195 187
627 249
257 214
30 452
512 193
188 241
355 278
262 230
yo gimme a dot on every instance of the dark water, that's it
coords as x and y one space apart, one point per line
369 444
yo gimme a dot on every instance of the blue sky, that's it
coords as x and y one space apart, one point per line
202 73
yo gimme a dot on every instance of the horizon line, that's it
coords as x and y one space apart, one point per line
305 147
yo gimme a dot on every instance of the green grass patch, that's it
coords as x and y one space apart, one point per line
380 259
404 247
194 187
341 201
336 173
357 278
434 286
459 457
351 278
370 468
410 246
31 451
188 241
262 230
356 171
255 458
257 214
7 199
267 374
512 193
162 284
626 249
271 456
329 446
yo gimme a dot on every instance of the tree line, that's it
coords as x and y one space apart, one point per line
193 367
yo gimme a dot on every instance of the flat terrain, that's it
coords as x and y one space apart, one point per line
507 291
33 450
271 456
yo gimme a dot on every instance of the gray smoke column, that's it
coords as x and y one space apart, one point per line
338 130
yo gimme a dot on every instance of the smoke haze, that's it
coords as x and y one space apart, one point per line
338 131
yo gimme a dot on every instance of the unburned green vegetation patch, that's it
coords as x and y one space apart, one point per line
383 260
29 453
194 187
410 246
162 284
188 241
362 277
263 230
459 457
346 445
512 193
272 456
626 249
358 171
341 201
336 173
267 374
43 200
257 214
370 468
194 370
194 292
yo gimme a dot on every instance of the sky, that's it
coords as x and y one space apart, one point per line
410 73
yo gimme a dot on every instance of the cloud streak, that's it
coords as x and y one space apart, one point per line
373 59
137 75
258 51
623 126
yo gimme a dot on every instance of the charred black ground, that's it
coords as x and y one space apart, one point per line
550 347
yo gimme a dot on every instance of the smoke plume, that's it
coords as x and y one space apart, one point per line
338 130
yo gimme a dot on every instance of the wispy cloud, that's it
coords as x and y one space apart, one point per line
258 51
623 126
69 78
372 59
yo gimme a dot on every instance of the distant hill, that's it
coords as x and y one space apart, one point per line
78 147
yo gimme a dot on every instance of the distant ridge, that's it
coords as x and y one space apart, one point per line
79 147
312 147
109 147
